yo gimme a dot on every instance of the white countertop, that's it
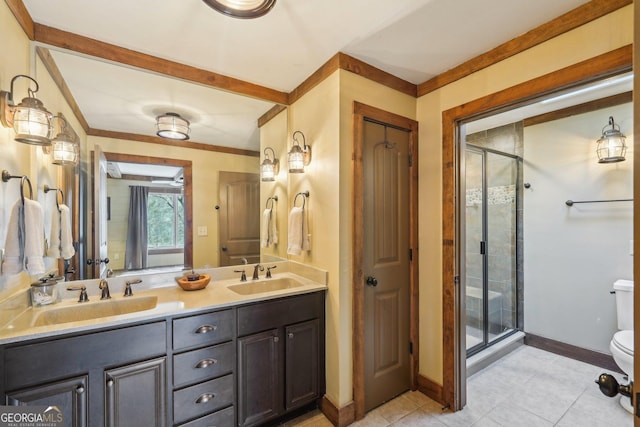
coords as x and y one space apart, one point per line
171 301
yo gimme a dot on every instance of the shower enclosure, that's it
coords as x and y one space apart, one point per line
491 233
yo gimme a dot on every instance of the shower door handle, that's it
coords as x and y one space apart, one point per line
483 247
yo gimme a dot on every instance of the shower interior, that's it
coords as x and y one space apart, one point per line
493 236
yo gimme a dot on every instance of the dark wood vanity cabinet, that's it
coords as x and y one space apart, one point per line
280 357
244 365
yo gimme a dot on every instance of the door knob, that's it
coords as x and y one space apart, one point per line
224 249
372 281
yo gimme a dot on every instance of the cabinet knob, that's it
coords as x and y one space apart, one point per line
205 397
205 329
204 363
80 389
110 382
276 339
290 334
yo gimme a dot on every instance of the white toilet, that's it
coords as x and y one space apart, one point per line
621 345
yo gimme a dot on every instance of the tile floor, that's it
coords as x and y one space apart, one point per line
528 388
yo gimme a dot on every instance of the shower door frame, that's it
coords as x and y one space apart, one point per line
486 342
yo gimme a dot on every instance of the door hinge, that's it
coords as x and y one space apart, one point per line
410 347
410 254
456 280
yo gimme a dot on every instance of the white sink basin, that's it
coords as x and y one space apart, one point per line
94 310
268 285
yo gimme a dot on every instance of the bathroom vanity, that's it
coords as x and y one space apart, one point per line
233 364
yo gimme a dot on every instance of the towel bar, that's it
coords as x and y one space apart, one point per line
304 195
59 192
272 199
6 176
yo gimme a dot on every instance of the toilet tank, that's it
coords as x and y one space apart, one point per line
624 303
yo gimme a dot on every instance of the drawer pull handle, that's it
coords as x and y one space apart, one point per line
206 328
290 334
205 397
205 363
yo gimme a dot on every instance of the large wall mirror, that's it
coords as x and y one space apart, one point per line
117 106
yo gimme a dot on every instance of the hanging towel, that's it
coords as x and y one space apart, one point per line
273 234
298 234
14 248
268 228
61 240
33 237
24 248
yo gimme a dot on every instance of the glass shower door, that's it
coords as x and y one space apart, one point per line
491 251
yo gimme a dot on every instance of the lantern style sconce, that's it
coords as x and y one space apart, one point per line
245 9
65 149
172 126
299 157
29 119
270 167
611 146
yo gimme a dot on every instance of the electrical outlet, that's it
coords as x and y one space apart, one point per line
202 231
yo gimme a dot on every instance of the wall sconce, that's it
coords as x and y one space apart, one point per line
65 149
241 9
29 119
172 126
269 168
299 157
611 146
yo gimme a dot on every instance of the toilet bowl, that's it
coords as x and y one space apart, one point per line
621 345
621 348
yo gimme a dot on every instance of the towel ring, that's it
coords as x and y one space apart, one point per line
304 195
59 192
272 199
6 176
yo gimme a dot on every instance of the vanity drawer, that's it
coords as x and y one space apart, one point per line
201 399
223 418
205 329
199 365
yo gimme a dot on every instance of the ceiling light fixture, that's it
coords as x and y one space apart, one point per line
270 167
29 119
611 146
298 157
244 9
65 149
172 126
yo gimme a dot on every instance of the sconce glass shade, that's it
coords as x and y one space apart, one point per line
269 168
30 120
298 158
64 150
611 147
244 9
172 126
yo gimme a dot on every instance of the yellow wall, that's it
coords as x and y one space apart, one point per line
205 168
603 35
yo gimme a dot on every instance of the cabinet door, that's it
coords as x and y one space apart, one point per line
69 396
135 394
259 373
301 363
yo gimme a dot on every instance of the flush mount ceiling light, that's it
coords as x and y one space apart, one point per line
172 126
244 9
611 146
270 167
65 150
29 119
299 157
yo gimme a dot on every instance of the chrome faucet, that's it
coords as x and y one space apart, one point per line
269 271
104 287
243 277
127 289
83 292
255 271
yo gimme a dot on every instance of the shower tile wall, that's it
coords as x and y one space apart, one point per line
501 198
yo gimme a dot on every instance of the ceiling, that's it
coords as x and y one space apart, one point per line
412 39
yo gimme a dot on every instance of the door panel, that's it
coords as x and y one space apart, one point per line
239 220
386 262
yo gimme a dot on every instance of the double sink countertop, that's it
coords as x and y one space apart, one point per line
156 297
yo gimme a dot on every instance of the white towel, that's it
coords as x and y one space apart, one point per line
268 228
61 240
298 234
24 248
13 249
33 237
